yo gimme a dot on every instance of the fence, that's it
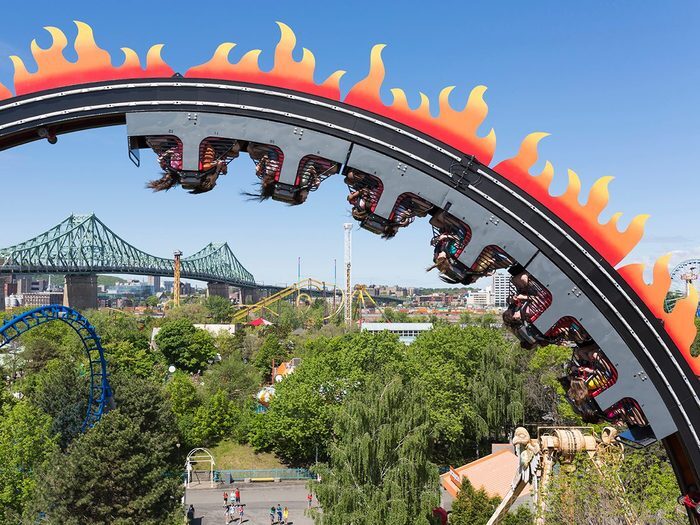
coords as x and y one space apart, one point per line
232 476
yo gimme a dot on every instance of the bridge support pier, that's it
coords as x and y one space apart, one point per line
217 289
80 291
252 295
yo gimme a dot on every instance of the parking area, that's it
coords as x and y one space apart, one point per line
257 498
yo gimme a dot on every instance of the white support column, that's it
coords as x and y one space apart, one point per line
348 266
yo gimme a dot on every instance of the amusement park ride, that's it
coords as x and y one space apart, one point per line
631 362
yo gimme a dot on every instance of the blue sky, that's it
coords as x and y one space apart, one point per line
615 83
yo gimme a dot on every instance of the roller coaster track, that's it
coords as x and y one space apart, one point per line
554 239
100 393
302 287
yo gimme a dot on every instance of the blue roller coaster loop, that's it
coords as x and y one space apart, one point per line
100 394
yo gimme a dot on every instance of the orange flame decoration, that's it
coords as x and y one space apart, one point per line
458 128
612 244
93 65
679 323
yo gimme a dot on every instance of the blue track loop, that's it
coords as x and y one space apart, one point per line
100 394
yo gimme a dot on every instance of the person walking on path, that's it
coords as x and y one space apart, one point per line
309 499
279 513
285 516
237 495
272 515
225 498
190 515
241 512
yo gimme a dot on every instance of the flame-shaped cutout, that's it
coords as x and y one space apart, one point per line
4 92
458 128
286 72
679 323
611 243
94 64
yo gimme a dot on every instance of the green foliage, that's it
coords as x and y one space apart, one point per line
271 350
194 312
151 301
239 380
497 392
695 347
26 444
475 507
215 419
49 341
472 507
379 469
544 395
640 489
472 381
124 469
219 308
186 347
62 392
135 359
184 401
299 420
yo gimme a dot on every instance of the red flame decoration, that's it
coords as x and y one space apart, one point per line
458 128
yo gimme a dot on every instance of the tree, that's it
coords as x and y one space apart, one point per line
215 419
695 347
195 312
544 395
237 379
186 347
271 350
471 379
62 393
151 301
379 469
135 358
298 423
219 308
123 470
472 507
184 401
26 444
475 507
639 489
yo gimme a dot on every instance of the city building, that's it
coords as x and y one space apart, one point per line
407 332
500 288
480 299
154 281
40 298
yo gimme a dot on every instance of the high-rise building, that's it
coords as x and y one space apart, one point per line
154 280
500 289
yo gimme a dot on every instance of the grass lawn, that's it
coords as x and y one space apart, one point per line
232 456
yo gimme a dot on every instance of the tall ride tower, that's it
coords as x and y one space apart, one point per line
348 265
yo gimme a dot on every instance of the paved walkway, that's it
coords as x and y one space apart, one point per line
257 498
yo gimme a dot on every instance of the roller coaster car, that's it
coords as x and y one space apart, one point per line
408 206
584 406
592 368
313 170
691 501
214 155
268 161
365 190
627 411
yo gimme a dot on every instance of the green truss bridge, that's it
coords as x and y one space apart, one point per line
82 246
